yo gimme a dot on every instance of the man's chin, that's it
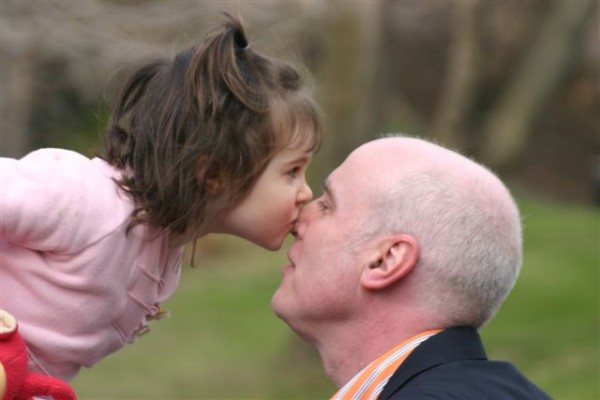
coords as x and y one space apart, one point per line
292 321
280 303
276 305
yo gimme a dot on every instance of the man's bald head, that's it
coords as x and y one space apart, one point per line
464 218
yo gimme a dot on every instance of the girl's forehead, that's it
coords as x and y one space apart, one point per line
301 137
293 153
292 156
297 121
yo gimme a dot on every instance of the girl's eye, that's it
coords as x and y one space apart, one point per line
294 172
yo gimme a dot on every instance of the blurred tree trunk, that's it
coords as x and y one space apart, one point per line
15 140
349 79
506 131
461 78
17 63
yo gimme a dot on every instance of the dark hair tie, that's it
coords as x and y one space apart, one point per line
239 39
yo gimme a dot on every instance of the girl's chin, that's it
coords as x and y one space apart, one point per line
273 245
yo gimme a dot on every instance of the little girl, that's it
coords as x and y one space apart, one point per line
216 140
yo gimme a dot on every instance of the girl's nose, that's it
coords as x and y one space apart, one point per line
305 194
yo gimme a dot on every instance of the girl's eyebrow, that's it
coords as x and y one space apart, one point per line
303 159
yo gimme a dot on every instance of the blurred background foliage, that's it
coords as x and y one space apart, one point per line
515 84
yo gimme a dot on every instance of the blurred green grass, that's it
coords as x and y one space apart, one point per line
223 342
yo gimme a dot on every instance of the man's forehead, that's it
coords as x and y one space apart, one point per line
346 183
365 167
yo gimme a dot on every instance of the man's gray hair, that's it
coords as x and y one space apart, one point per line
469 238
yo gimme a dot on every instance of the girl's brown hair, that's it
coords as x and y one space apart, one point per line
203 127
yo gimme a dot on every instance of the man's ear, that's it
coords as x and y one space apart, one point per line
208 175
395 259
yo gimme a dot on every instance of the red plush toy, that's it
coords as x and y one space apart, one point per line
16 382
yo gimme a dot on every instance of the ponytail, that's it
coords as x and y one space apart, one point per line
226 67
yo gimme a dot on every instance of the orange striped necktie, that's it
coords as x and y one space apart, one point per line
369 382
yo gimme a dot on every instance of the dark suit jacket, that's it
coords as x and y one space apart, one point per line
453 365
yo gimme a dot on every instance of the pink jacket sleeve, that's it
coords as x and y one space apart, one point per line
50 200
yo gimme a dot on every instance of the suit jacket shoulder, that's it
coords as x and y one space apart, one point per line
453 365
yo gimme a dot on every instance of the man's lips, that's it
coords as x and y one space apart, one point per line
291 264
289 257
287 269
293 230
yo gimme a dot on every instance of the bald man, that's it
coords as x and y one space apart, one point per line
409 251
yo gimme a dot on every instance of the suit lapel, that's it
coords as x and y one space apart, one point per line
453 344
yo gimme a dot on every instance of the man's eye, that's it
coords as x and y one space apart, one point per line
322 205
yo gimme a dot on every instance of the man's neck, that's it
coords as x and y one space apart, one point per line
345 356
346 351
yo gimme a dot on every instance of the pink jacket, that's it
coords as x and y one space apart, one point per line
78 285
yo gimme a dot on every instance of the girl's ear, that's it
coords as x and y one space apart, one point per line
395 259
208 175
